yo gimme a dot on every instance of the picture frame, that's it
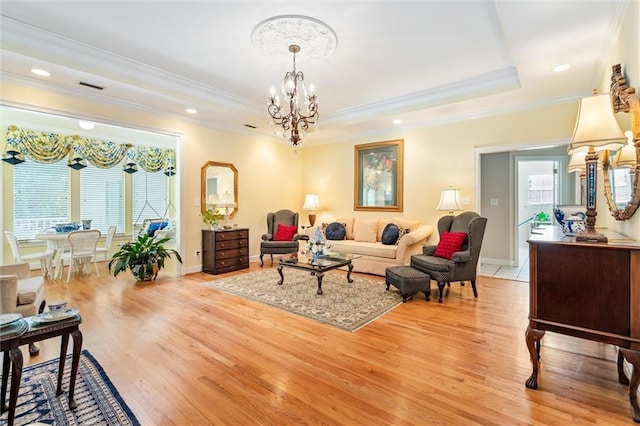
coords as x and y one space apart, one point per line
379 176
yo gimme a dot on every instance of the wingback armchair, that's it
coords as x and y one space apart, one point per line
463 264
21 293
269 244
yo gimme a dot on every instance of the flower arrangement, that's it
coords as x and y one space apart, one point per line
316 243
376 163
379 161
210 217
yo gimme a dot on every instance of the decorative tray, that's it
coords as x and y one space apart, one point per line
47 317
6 319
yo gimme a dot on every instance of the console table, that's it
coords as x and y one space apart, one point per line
586 290
225 250
29 331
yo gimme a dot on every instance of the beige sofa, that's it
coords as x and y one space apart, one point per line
363 239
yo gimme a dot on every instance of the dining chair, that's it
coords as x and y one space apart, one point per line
82 250
106 250
44 257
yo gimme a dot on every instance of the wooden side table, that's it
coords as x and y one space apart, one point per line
34 332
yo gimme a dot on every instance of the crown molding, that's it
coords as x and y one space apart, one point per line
19 37
108 101
481 85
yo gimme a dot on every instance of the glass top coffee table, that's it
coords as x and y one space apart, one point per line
317 266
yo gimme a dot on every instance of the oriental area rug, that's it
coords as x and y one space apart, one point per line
99 403
348 306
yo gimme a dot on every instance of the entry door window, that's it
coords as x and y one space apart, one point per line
540 189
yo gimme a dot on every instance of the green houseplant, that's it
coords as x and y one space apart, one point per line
145 257
211 218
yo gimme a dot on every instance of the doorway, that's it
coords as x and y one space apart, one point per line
539 190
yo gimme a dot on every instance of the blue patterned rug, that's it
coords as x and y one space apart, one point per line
99 403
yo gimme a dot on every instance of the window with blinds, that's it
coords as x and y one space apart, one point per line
150 198
540 189
41 195
102 197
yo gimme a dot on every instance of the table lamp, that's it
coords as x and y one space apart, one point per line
450 200
311 203
226 202
596 130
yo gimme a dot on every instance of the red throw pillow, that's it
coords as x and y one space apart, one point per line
285 233
450 242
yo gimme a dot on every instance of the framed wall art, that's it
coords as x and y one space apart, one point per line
378 178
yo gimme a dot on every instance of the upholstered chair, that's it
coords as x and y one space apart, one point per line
447 262
21 293
283 241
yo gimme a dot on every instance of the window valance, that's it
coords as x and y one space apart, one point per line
48 148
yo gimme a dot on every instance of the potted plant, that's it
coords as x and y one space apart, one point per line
211 218
145 257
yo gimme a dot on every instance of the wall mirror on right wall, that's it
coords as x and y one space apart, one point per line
621 169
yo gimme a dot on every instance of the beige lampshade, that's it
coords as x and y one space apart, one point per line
576 162
226 201
596 126
311 202
627 155
450 200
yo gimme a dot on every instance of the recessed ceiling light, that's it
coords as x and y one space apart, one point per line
86 125
397 121
191 111
40 72
561 68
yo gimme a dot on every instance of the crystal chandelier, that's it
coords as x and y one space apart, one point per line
298 119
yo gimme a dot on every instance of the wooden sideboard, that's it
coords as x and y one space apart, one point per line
586 290
225 250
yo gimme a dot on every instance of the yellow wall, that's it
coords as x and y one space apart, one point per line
434 158
268 172
271 177
627 54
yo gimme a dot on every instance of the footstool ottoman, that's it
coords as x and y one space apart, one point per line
409 281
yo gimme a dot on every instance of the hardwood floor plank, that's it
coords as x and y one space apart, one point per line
181 353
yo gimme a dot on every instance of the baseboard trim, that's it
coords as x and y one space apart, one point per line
497 262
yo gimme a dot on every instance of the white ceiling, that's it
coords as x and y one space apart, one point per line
425 62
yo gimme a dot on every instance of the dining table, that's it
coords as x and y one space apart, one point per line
59 243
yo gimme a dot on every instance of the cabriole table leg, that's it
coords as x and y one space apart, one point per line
533 337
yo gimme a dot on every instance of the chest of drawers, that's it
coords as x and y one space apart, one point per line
225 250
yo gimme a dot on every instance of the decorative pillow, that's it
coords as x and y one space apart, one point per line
402 231
408 224
450 242
390 234
366 230
285 233
348 221
335 231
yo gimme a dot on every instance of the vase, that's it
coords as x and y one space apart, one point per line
149 273
213 226
371 198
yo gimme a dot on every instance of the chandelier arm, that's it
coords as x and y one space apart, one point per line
294 121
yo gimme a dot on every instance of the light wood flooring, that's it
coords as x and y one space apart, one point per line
184 354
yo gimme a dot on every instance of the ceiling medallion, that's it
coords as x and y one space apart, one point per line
315 38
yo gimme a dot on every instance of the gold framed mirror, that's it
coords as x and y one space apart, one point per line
622 181
218 183
622 168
